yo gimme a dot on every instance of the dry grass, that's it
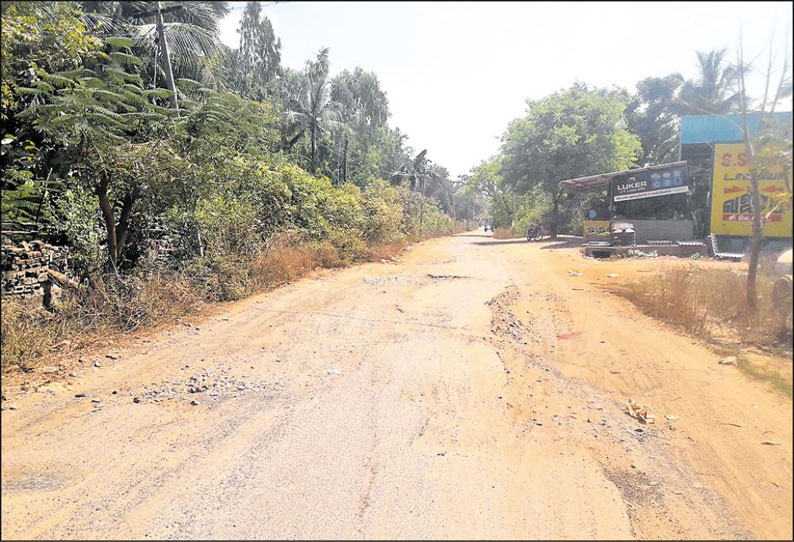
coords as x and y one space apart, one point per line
154 296
505 233
384 252
711 303
462 227
285 261
85 317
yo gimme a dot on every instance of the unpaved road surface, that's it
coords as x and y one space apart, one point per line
473 390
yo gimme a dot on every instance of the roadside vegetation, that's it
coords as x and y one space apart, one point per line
505 233
709 303
158 295
205 175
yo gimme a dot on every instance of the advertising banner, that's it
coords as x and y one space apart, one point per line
731 205
651 184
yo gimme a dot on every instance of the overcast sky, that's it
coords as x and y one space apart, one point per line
457 73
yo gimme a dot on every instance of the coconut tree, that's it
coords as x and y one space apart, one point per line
714 88
310 108
186 32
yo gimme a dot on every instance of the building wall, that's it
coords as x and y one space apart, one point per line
663 230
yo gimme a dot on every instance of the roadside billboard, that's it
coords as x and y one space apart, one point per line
731 207
651 184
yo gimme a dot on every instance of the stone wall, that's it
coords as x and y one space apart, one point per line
157 251
25 270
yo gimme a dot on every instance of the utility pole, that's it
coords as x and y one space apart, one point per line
169 74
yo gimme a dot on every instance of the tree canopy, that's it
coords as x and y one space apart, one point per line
569 134
96 155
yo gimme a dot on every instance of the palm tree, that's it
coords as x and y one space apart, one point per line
396 160
310 107
190 32
713 90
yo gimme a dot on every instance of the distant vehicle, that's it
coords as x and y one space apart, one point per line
782 290
535 233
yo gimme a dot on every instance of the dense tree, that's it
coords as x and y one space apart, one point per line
361 100
258 59
655 109
101 121
396 160
486 178
37 38
653 114
92 156
364 110
468 203
569 134
311 108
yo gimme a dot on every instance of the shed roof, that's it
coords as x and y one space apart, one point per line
602 180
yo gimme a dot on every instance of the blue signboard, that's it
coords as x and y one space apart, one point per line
723 128
651 184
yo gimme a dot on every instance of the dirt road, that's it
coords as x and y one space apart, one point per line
473 390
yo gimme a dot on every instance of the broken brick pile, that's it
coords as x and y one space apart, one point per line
25 267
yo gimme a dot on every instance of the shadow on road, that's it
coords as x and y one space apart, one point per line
562 242
501 242
568 241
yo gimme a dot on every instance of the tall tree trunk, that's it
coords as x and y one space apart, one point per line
291 142
344 163
169 74
313 166
555 214
124 222
110 219
755 246
755 193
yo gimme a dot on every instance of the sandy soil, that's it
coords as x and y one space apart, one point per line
474 390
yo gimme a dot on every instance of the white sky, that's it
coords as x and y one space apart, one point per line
457 73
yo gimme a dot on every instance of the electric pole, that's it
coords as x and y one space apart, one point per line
169 73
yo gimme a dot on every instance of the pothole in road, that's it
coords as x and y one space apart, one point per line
635 487
399 279
205 383
403 280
